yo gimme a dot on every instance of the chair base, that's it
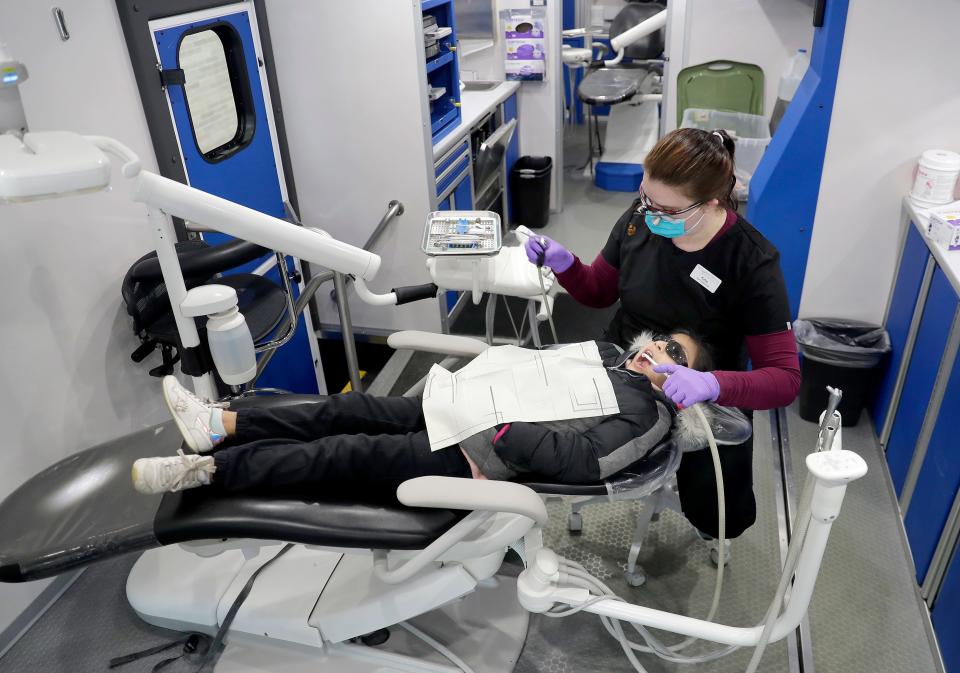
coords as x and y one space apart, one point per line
280 626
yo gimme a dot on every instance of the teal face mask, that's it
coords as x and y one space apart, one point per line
669 227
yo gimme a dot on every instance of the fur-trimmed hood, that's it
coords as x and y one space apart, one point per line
728 425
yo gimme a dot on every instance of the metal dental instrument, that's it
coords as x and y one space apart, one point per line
830 421
543 291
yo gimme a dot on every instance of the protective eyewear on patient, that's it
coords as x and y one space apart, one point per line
649 206
673 349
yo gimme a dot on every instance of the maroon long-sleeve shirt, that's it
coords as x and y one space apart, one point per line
774 379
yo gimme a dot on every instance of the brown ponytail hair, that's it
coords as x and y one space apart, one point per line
698 163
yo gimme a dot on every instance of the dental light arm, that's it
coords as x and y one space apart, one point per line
131 166
50 164
179 200
635 34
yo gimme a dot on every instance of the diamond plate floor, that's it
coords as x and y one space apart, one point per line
865 615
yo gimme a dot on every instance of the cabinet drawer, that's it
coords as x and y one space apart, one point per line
452 175
451 157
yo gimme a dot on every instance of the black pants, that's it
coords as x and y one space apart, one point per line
347 439
697 484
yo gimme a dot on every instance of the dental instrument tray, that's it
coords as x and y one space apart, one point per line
462 232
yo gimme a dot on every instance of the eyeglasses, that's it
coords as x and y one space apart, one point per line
649 206
673 349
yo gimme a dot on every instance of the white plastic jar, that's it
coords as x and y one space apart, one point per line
936 178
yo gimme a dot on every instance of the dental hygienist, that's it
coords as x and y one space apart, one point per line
681 255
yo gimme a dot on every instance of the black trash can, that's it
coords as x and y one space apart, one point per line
530 191
843 354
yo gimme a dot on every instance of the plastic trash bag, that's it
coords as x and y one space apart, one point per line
837 341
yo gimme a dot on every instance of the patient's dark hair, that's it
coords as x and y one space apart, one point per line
704 361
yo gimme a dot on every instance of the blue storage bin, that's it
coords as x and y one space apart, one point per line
616 177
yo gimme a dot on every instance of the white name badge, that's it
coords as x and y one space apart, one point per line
705 278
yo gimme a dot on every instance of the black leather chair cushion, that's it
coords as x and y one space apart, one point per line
260 300
199 262
84 509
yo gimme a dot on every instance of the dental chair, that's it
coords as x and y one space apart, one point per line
634 127
350 581
343 564
421 561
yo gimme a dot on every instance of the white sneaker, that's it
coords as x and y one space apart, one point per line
169 474
191 414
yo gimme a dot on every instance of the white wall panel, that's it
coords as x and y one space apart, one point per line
67 379
354 117
898 94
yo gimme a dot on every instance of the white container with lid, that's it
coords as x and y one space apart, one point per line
936 178
792 75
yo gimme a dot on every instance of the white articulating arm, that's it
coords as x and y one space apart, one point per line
830 471
431 342
57 163
473 494
179 200
485 498
635 34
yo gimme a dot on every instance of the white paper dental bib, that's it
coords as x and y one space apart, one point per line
506 384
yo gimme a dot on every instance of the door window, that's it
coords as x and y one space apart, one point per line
218 103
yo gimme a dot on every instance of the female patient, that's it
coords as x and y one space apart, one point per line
356 438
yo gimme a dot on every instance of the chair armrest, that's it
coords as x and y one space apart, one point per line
204 263
446 344
473 494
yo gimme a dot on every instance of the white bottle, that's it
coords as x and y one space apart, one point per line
790 80
231 346
792 75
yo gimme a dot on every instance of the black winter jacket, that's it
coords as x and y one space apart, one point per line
580 450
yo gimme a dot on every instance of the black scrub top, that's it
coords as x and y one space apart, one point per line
658 292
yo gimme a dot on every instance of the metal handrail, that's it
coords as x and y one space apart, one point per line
276 343
296 309
394 209
299 307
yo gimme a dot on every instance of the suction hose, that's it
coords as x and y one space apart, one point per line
577 575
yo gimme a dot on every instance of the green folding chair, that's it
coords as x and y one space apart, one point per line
720 85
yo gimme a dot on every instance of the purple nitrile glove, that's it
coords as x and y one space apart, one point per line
687 386
554 255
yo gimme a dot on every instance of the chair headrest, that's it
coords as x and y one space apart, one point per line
633 14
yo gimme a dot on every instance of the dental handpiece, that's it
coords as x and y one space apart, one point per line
541 257
828 426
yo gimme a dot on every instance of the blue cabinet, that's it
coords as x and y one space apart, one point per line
463 194
923 427
443 71
453 173
931 339
907 293
938 481
946 617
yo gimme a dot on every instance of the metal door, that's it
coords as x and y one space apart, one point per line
216 89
